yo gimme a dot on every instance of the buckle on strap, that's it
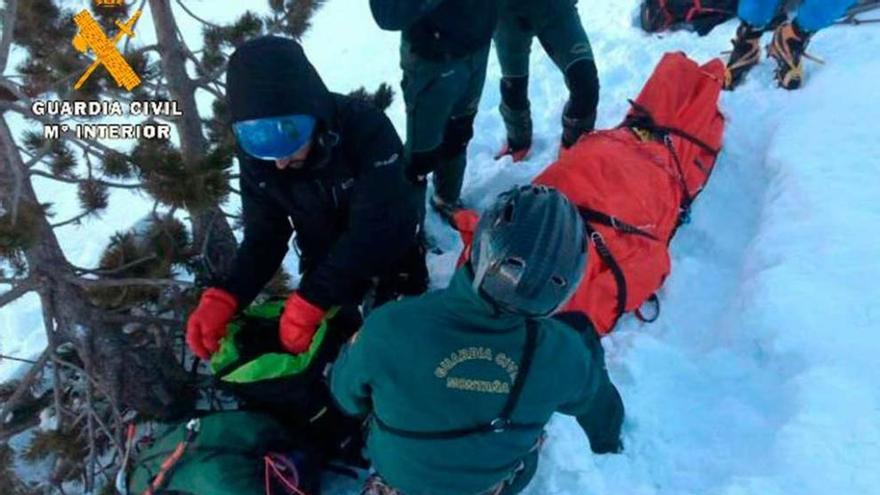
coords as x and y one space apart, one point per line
499 425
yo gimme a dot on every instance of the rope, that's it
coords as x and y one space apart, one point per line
272 468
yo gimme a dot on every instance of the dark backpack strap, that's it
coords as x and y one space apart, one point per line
504 420
642 118
654 301
595 216
611 263
577 320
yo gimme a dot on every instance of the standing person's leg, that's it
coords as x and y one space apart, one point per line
430 90
814 15
791 39
757 13
459 130
566 42
513 45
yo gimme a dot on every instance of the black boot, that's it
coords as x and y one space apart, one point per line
745 55
575 127
516 113
788 49
446 209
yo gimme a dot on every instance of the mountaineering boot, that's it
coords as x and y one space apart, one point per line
575 127
519 133
746 54
445 209
788 48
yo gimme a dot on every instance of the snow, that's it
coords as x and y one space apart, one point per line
761 374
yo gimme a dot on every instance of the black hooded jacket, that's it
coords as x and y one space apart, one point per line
353 212
439 29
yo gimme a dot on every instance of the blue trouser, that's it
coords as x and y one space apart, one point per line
812 15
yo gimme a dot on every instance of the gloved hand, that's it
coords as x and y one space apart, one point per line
299 323
207 324
466 224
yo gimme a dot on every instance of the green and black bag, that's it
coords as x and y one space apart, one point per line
252 365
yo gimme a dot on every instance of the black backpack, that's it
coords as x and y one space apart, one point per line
252 365
702 15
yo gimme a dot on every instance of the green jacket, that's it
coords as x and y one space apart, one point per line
534 14
446 361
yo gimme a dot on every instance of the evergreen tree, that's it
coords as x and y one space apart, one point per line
115 331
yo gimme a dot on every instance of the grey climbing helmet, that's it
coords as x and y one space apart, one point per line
529 251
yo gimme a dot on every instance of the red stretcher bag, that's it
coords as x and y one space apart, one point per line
635 184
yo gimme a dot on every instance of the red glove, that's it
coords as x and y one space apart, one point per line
466 224
207 324
299 323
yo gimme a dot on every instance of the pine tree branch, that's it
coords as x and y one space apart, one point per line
206 86
8 29
124 319
37 157
194 16
18 428
18 290
73 220
23 386
88 283
90 431
114 271
102 182
16 90
90 410
100 151
18 359
57 395
212 77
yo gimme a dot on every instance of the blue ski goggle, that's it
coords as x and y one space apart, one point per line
274 138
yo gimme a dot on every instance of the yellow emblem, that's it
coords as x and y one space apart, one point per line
92 36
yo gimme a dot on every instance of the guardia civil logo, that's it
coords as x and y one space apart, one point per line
92 38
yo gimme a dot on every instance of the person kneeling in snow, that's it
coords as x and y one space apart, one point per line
790 39
327 166
460 383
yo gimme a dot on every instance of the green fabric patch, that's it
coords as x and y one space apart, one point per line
267 366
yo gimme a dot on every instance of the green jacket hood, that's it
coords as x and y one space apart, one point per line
461 298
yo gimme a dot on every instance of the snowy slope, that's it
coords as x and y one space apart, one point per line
761 375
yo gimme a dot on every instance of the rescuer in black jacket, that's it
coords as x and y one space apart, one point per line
322 165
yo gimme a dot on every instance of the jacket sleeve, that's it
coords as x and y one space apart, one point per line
267 233
349 377
397 15
597 404
382 218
